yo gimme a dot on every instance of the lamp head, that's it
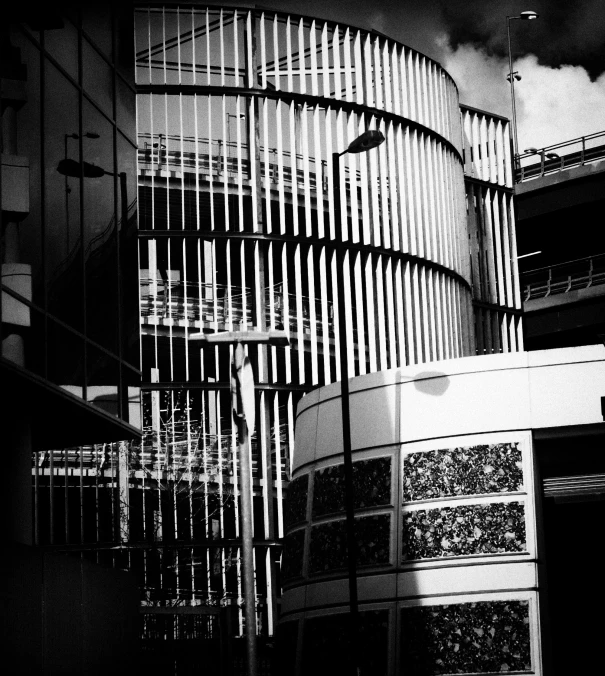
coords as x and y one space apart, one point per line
552 156
528 16
368 140
531 151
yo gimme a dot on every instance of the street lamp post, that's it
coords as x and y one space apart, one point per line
368 140
243 408
513 75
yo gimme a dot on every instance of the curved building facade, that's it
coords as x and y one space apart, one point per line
449 481
239 112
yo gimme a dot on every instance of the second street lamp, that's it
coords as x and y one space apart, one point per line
368 140
243 409
514 75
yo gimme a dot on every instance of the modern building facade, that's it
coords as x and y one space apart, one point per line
461 566
239 112
70 347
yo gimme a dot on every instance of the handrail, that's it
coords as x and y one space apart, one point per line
586 150
581 273
558 265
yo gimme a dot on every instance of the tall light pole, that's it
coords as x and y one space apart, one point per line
368 140
513 75
243 408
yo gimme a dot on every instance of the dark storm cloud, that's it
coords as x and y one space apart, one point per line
568 31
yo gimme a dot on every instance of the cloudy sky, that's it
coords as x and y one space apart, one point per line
560 56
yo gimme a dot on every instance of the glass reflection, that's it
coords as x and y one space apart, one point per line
63 243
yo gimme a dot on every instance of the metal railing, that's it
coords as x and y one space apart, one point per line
576 152
228 159
193 302
563 277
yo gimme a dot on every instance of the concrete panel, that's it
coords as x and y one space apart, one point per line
464 404
293 600
329 429
327 593
304 437
567 394
374 417
467 579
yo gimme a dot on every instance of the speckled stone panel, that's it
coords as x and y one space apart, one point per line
328 548
469 470
463 638
371 486
491 528
326 644
295 507
292 562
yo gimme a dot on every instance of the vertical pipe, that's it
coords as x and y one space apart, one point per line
346 423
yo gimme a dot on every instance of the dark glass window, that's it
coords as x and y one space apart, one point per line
65 358
62 45
62 237
28 148
100 232
97 78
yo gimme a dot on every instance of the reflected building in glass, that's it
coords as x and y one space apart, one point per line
70 340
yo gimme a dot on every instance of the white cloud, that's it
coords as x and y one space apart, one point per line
553 104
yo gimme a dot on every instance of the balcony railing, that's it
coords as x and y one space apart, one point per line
561 156
582 273
208 304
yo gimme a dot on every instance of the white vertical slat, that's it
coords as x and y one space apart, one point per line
508 161
395 80
368 71
348 66
425 309
325 315
491 151
386 191
401 301
484 148
500 160
402 186
391 313
302 87
313 55
417 315
438 315
380 314
431 199
378 78
416 139
290 80
409 141
508 263
411 85
370 311
394 186
313 320
325 60
387 80
360 311
337 67
498 262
